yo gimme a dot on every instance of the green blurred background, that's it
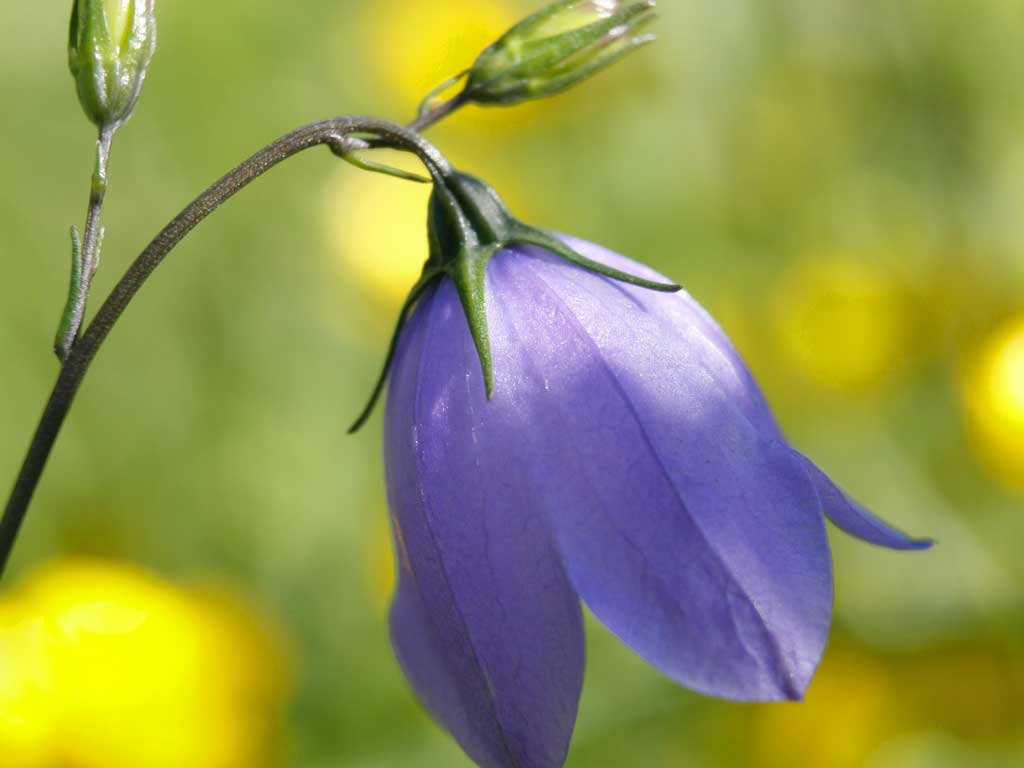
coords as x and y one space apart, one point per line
841 183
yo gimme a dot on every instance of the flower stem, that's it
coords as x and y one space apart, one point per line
340 134
438 113
86 256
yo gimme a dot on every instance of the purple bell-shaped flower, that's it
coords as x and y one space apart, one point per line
556 430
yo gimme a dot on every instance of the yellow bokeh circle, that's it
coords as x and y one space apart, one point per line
993 390
411 47
104 666
842 324
377 228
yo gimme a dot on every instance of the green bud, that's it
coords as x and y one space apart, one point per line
556 48
109 49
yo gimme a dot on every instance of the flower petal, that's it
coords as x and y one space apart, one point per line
851 517
682 314
732 374
485 623
686 523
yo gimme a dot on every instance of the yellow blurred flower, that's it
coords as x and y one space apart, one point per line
413 47
27 717
844 717
376 227
104 666
993 392
858 704
418 45
842 323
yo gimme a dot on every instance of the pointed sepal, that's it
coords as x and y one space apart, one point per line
468 224
469 273
67 333
363 164
547 241
414 296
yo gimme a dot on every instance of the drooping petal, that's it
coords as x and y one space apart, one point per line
851 517
484 621
732 373
686 523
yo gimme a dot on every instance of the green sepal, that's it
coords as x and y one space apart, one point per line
388 170
565 77
403 317
482 211
65 338
555 49
469 273
468 224
547 241
437 90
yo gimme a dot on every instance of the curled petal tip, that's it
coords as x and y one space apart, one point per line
792 690
854 519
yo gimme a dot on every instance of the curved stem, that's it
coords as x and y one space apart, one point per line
335 133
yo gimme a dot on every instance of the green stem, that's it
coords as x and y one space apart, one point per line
86 261
438 113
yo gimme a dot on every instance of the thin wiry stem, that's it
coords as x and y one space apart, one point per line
336 133
86 254
441 111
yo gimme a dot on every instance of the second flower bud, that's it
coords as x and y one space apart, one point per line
110 45
556 48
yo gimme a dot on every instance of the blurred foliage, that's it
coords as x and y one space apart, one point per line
840 183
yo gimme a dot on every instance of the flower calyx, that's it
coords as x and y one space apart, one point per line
556 48
468 224
110 46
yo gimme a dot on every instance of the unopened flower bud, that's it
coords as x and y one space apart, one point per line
556 48
110 46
